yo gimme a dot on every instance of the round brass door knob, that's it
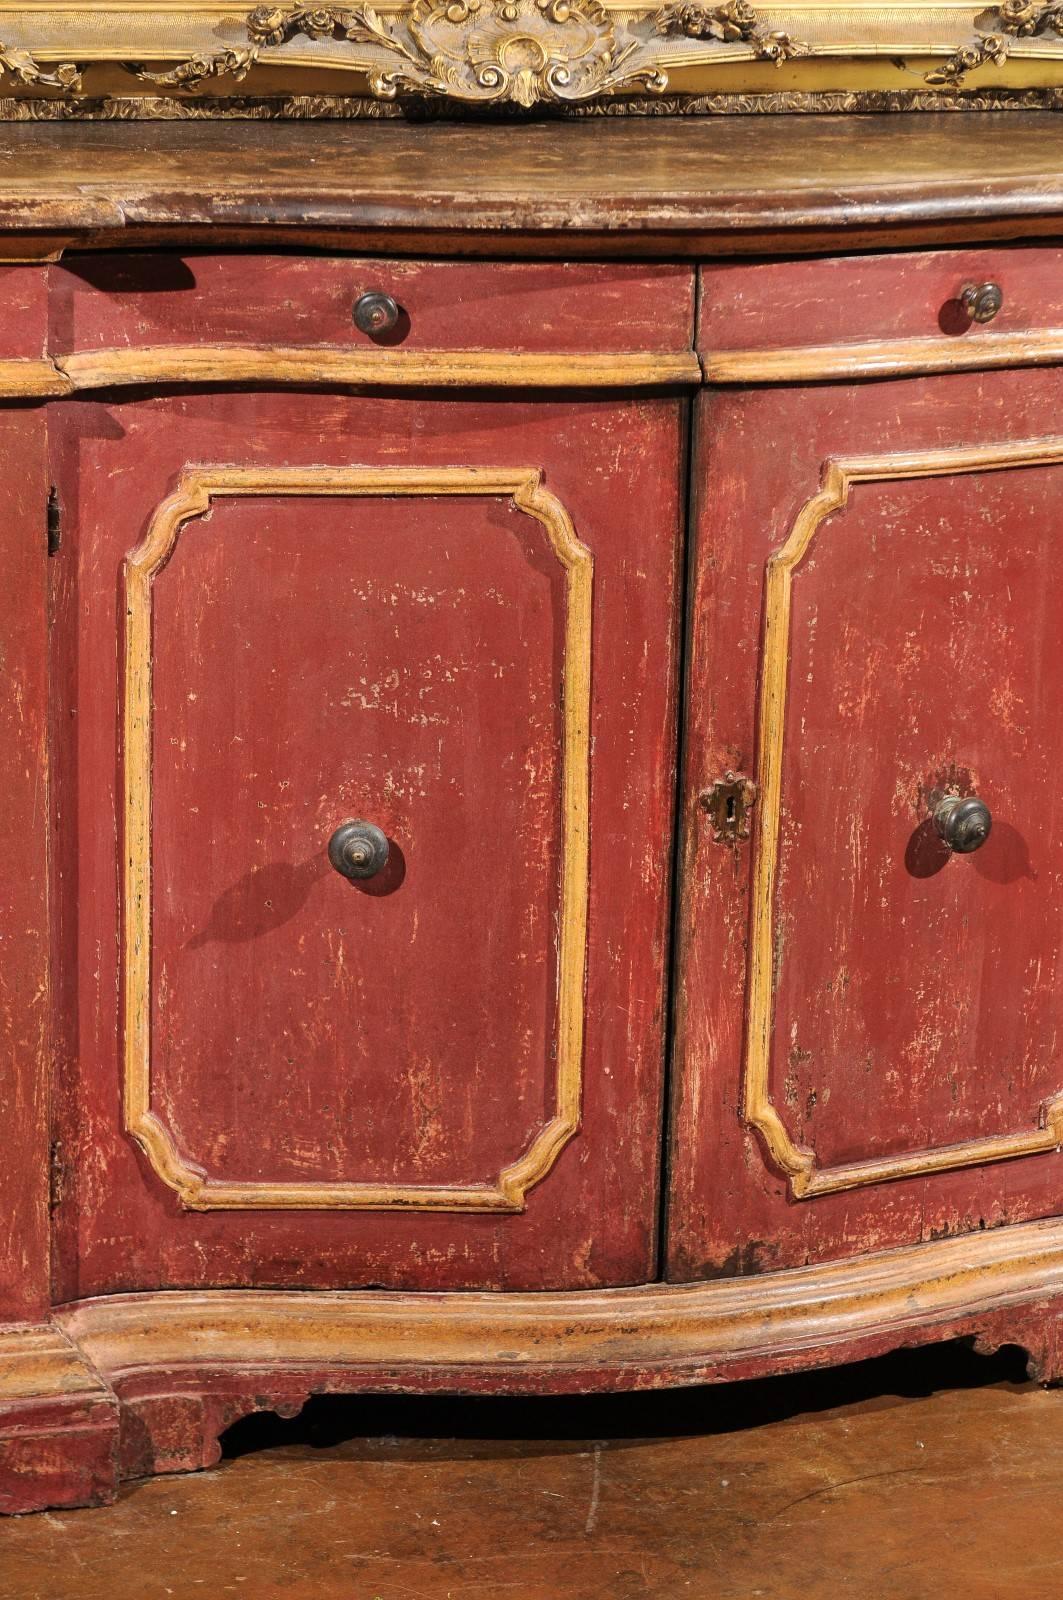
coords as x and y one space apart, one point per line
981 301
358 850
375 312
964 824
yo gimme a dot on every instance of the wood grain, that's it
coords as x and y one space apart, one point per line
325 368
703 185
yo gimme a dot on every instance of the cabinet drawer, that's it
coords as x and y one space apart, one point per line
135 301
912 305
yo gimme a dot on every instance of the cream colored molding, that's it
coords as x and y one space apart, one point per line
28 379
322 366
526 52
40 1362
973 351
806 1177
639 1334
193 497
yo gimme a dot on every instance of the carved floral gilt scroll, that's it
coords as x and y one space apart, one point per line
574 53
1013 19
522 51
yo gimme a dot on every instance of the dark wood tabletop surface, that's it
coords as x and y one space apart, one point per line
679 185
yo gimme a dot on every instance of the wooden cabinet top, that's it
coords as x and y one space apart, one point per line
696 186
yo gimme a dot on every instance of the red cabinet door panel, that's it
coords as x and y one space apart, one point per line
419 640
284 614
871 1028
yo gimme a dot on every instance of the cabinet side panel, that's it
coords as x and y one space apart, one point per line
23 841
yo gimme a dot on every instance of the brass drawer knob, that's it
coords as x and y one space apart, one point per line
358 850
376 313
964 824
981 301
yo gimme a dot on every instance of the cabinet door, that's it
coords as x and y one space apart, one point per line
279 615
870 1033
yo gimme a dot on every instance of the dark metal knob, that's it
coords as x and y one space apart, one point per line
375 312
964 824
358 850
981 301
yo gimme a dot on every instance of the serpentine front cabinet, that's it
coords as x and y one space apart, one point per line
531 812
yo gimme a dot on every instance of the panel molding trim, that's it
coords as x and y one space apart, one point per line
977 351
800 1166
326 366
627 1337
196 490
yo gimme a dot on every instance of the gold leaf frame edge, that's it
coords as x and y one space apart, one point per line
563 54
799 1164
196 490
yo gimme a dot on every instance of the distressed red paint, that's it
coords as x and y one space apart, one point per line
404 660
915 1000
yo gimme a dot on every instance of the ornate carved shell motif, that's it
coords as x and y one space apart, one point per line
526 50
483 51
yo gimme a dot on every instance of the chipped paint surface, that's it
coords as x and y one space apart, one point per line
402 662
24 944
925 656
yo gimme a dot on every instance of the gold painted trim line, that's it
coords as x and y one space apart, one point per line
969 352
800 1166
40 1361
31 379
318 366
198 487
323 367
646 1332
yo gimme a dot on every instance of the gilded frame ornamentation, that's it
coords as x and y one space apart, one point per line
197 489
579 56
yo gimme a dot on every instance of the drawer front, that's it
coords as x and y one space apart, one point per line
135 301
858 299
871 1020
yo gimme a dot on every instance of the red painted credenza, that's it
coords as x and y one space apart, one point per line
531 676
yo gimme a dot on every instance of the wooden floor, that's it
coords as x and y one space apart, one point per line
932 1475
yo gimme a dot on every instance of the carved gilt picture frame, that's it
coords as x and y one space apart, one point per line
521 57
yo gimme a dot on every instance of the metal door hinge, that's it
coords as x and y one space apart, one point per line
55 521
57 1175
729 801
